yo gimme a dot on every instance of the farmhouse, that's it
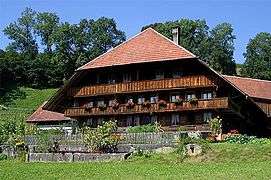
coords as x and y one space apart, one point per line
150 78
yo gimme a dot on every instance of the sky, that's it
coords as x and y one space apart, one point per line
248 17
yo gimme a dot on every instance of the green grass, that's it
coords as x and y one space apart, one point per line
21 106
223 161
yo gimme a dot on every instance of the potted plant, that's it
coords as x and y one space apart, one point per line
147 104
88 106
130 104
115 104
193 101
102 107
162 104
178 101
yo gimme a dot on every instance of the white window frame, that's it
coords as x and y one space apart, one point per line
207 116
189 96
207 95
154 99
127 77
159 75
175 119
100 103
174 97
140 100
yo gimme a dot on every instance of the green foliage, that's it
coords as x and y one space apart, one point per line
63 48
221 48
214 46
245 139
225 161
45 140
215 125
188 140
21 103
258 61
3 157
144 128
101 139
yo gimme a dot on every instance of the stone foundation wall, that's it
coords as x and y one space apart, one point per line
73 157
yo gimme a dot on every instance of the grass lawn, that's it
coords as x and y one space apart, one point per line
22 105
223 161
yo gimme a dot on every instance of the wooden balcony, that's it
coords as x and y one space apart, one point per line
216 103
139 86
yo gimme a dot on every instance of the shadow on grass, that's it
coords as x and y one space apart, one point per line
10 93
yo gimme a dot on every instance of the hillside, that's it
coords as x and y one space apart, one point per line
19 107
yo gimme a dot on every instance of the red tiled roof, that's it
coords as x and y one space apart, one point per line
41 115
252 87
147 46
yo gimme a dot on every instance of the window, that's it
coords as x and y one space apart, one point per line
127 77
207 95
89 104
175 119
153 119
141 100
100 103
100 121
137 121
190 96
129 121
159 75
111 79
111 102
177 74
89 122
130 100
75 103
207 116
174 98
154 99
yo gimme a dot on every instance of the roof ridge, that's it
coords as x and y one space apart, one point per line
248 78
130 39
113 49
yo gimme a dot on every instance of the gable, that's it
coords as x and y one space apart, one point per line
147 46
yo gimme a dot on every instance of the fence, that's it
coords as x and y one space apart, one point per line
163 138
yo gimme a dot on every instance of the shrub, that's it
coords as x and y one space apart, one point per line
3 157
215 125
101 139
245 139
188 140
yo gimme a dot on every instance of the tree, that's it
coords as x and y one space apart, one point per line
79 43
221 47
22 34
258 57
214 47
193 34
46 24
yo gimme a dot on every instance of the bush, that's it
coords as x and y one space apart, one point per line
3 157
101 139
245 139
188 140
215 125
144 128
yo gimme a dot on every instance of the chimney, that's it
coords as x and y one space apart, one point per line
175 35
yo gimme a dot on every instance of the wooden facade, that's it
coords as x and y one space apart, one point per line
216 103
150 79
194 81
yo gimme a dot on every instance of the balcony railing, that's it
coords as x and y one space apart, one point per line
138 86
216 103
